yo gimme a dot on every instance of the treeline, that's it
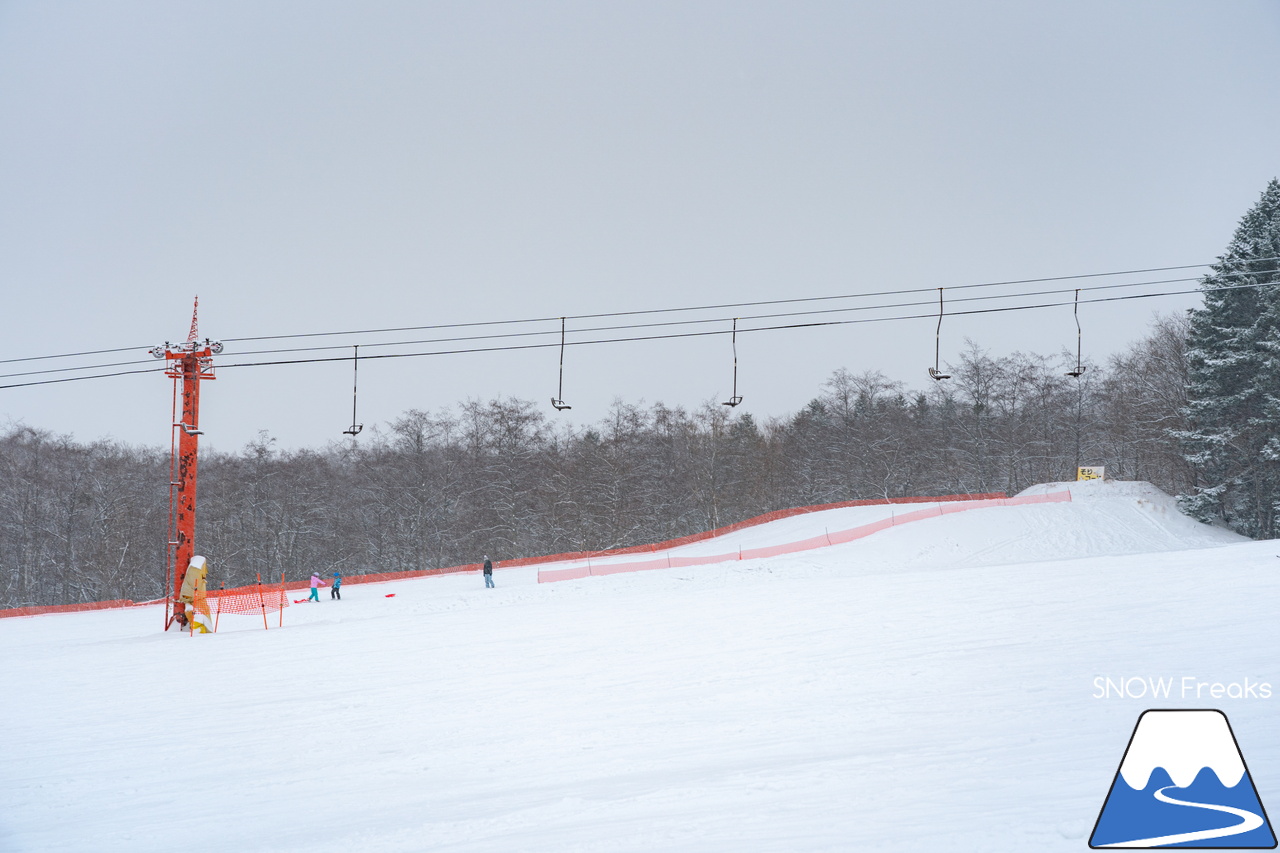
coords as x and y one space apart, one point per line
85 522
1233 434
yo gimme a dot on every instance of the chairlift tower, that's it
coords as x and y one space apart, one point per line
189 363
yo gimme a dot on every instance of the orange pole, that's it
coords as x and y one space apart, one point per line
188 363
185 522
171 592
262 602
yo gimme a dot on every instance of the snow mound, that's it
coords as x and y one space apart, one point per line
1106 490
1103 518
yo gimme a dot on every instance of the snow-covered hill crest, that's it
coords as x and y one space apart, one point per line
1102 518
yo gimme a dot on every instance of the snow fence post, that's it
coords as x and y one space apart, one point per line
262 604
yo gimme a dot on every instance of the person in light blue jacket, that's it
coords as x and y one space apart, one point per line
335 591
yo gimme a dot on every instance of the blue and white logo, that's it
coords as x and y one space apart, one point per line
1183 783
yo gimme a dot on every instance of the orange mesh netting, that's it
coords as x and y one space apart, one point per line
254 600
833 537
258 599
733 528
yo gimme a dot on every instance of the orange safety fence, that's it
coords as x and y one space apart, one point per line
253 600
829 538
731 528
381 577
256 600
68 608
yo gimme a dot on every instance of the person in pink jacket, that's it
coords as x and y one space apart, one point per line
316 583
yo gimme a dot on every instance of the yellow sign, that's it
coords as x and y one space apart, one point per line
1096 472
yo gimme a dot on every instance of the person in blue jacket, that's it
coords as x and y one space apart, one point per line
335 591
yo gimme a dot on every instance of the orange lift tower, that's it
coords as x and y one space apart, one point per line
189 363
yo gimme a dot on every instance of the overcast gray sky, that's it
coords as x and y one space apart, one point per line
314 167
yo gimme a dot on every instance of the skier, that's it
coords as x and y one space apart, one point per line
316 583
336 590
488 572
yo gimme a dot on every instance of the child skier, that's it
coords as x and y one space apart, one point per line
336 590
316 583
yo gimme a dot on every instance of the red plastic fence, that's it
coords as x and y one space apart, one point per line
254 599
67 608
730 528
381 577
832 538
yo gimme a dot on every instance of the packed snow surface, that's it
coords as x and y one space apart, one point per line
932 687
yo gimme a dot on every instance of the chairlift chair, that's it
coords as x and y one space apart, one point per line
734 398
355 428
557 402
1080 368
936 371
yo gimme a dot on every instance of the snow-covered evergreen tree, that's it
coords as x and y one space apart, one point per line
1233 414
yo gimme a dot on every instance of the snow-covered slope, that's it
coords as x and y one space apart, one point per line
904 692
1103 517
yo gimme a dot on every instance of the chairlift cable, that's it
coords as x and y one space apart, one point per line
703 321
788 326
739 304
673 310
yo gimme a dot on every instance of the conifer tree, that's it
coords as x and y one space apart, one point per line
1233 413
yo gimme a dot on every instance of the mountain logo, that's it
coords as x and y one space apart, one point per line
1182 783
